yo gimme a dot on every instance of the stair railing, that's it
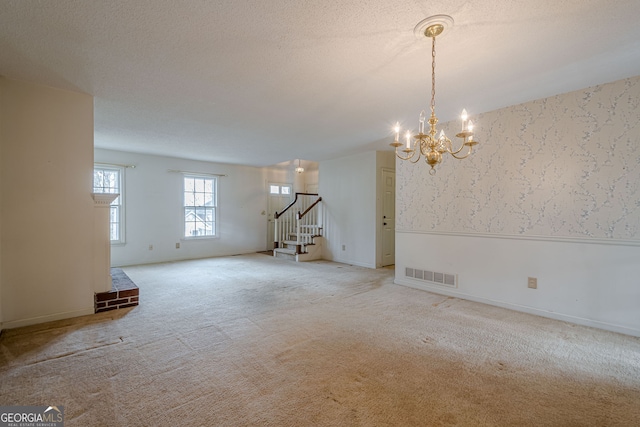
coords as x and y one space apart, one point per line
300 217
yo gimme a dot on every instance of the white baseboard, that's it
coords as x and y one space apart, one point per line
48 318
356 263
530 310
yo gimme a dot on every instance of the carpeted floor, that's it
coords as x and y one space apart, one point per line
254 340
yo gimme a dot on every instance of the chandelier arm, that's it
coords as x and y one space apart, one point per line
461 157
408 157
452 152
417 157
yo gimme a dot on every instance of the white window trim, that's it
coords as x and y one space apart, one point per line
216 213
121 218
280 185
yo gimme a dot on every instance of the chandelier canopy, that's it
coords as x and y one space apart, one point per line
427 144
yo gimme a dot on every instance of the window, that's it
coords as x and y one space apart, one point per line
200 206
108 179
280 189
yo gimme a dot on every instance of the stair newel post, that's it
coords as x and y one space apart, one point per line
276 243
303 206
311 221
284 233
315 216
310 217
298 244
308 222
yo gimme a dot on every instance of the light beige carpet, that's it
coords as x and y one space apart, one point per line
254 340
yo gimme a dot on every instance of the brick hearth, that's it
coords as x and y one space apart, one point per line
124 293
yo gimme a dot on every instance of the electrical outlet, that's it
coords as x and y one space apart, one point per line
150 247
532 283
344 247
178 245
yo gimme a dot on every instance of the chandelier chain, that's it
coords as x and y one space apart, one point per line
433 76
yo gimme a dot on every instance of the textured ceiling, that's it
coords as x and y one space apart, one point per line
262 82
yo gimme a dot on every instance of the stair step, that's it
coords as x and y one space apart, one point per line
293 235
284 255
285 251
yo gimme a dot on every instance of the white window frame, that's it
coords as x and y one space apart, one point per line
280 187
118 204
199 206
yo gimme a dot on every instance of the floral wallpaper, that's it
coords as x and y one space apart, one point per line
564 166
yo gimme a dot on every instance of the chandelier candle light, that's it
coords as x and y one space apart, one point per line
427 144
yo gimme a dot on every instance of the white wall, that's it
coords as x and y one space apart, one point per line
154 214
47 209
348 190
310 177
587 283
285 174
552 192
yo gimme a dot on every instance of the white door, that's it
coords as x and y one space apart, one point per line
388 217
279 196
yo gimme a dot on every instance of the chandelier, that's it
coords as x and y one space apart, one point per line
299 169
427 144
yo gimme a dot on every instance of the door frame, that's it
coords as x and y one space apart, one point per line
379 214
270 220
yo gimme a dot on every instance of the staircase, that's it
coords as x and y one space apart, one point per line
298 229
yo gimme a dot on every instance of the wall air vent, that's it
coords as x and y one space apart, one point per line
443 279
450 280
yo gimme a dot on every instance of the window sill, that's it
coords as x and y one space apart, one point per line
186 238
